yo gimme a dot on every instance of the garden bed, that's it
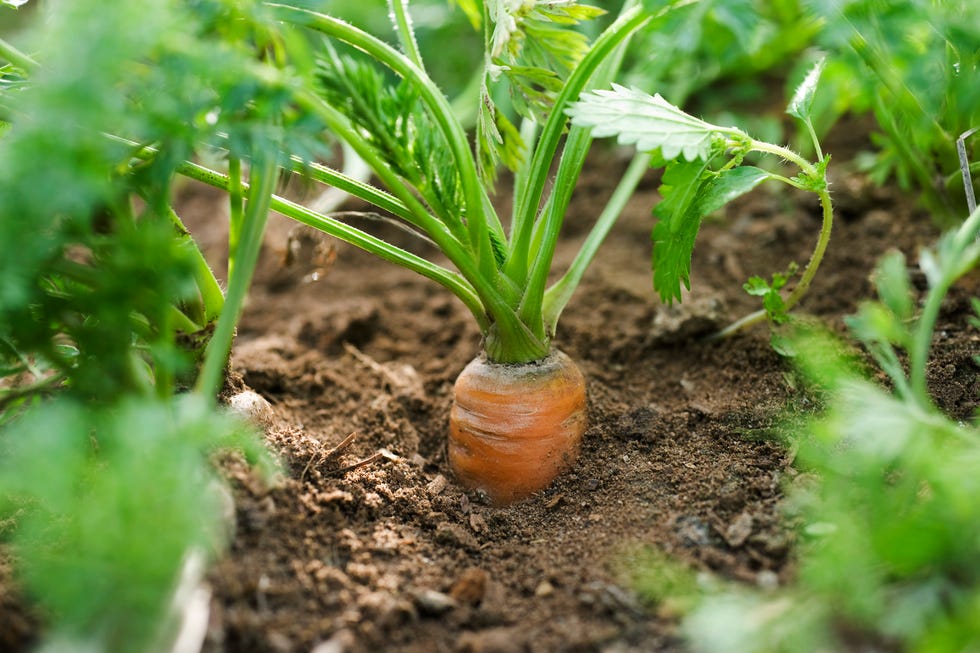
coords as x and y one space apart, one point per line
679 455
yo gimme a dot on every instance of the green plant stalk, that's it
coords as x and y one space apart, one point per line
922 338
530 194
451 281
545 238
403 26
164 372
560 293
264 173
212 299
339 180
16 57
236 216
823 239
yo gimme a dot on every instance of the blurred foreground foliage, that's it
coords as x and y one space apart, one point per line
107 486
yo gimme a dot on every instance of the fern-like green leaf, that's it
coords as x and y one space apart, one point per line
395 123
498 141
534 41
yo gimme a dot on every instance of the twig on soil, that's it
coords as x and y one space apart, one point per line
373 458
346 442
331 453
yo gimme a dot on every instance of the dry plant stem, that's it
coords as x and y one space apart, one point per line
380 454
514 428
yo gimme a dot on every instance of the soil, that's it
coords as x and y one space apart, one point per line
680 458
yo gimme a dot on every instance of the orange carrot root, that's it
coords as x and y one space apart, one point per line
514 428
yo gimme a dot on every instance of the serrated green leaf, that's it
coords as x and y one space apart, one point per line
689 195
648 121
757 286
802 101
729 185
678 225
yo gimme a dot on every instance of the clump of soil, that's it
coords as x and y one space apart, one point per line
372 547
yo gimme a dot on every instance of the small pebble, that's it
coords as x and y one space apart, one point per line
434 603
767 579
544 589
471 586
739 530
253 407
436 485
491 640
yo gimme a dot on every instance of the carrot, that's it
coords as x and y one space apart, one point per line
514 427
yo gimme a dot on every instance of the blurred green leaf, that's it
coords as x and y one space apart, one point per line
802 100
107 505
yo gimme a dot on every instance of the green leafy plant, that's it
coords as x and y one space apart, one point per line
703 172
890 526
727 44
915 67
380 101
108 310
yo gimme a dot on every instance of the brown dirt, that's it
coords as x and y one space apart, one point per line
679 455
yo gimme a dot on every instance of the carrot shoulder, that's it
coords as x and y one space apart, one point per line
514 428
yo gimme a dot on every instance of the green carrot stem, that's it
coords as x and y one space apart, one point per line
235 210
264 175
359 189
429 94
345 232
559 294
211 297
818 252
403 27
576 147
531 193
